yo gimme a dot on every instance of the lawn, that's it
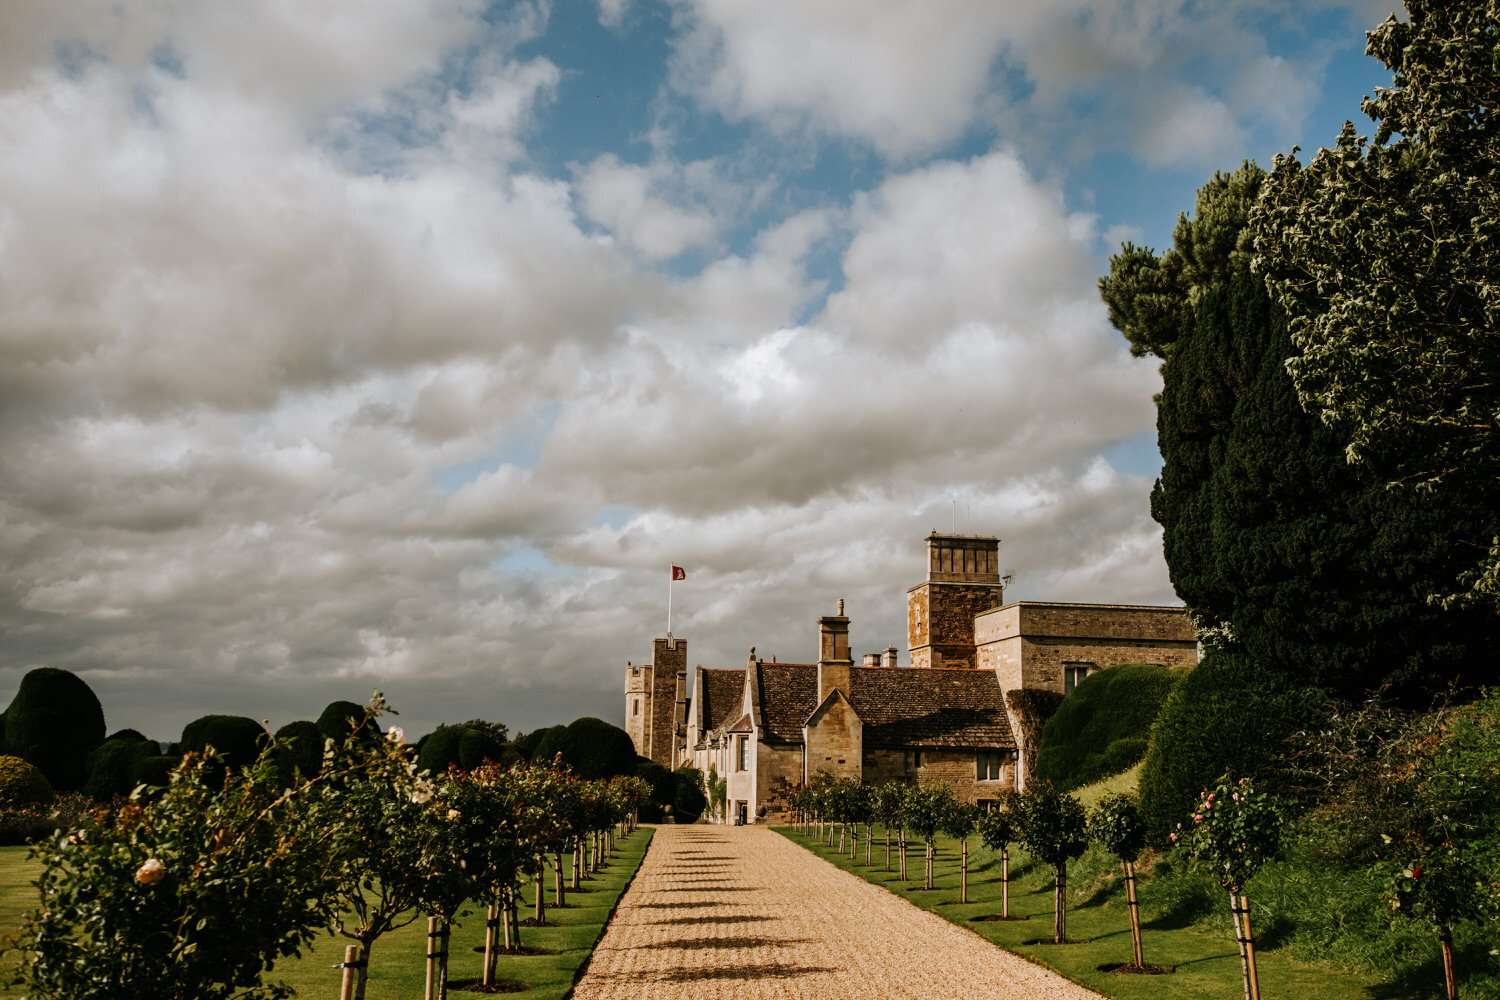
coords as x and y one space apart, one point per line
397 966
1206 965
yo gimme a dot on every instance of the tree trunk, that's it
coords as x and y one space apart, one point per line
491 943
867 845
557 879
963 871
927 883
541 906
1450 980
901 850
887 848
1005 883
1060 905
1239 937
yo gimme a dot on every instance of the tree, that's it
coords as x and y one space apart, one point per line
959 824
1116 823
927 807
1055 832
998 829
1276 544
55 722
1235 830
463 746
591 747
885 806
236 739
1385 255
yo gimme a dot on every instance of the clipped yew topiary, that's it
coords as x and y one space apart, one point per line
688 800
237 739
341 719
1226 716
591 747
54 722
112 765
463 746
299 751
1102 728
22 784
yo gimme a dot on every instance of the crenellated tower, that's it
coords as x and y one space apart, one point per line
963 580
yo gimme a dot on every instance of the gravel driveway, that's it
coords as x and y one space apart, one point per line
718 912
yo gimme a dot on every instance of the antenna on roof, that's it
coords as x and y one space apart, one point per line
955 515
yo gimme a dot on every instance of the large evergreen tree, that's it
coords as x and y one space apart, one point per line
1269 534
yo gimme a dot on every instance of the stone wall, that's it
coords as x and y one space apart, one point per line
669 660
834 740
1027 643
637 704
778 773
957 769
940 621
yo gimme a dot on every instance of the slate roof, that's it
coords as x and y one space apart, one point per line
723 697
918 707
788 695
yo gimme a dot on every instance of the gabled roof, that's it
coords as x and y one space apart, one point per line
788 694
921 707
742 725
722 697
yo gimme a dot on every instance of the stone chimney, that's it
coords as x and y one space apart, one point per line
833 653
872 660
889 659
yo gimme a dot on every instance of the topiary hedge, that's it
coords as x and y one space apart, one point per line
22 784
688 799
1226 716
462 746
112 765
591 747
54 722
300 752
236 738
1102 727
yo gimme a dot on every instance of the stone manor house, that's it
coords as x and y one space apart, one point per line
768 727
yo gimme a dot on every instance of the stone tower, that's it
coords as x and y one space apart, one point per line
963 580
656 700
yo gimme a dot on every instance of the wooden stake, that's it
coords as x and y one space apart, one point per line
1250 947
430 991
351 972
1005 883
1239 936
963 871
1135 913
1450 979
491 936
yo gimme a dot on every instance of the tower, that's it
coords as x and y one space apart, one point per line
656 700
963 580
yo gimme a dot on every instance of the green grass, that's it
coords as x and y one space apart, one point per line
397 966
1207 964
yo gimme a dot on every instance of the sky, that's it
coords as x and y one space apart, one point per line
406 344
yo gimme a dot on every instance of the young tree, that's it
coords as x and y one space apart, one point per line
1116 824
1236 829
1055 832
1385 255
927 807
886 803
959 823
998 829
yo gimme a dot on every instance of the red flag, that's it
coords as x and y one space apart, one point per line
678 573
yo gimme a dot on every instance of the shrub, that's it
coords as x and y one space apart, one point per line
298 751
688 800
237 740
591 747
1225 716
1101 728
54 722
112 765
342 718
527 744
462 746
22 784
663 788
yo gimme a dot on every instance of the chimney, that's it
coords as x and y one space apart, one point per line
872 660
833 653
889 659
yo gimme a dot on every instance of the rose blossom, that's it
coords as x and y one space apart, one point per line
151 871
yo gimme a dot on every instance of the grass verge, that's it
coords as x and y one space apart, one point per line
1206 965
398 967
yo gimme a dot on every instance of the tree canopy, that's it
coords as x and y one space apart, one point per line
1385 256
1272 538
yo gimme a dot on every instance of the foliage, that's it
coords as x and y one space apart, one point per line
527 744
591 747
23 784
663 787
112 765
1102 727
1002 825
299 751
1117 825
887 803
688 800
961 821
193 897
926 808
1226 715
1385 255
54 721
717 790
1234 830
1032 708
236 739
463 746
1273 540
1056 828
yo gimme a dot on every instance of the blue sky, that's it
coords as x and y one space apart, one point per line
404 345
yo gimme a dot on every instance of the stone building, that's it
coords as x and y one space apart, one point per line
769 727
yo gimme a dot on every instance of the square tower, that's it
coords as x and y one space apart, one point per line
656 700
963 580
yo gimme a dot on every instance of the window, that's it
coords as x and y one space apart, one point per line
916 758
744 764
1074 673
987 766
635 707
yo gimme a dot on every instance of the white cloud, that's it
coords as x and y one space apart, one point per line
632 202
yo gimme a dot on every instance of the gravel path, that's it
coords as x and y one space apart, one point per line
718 912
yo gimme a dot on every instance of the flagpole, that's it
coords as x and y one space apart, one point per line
671 572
